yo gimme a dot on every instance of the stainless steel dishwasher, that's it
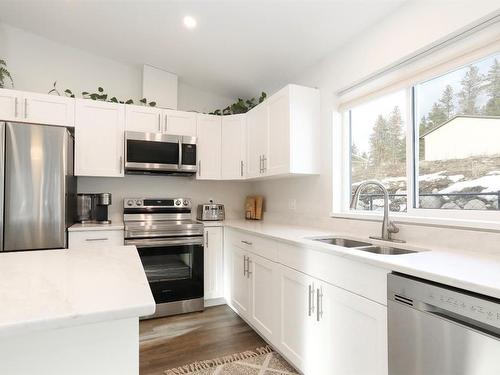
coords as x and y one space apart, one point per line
439 330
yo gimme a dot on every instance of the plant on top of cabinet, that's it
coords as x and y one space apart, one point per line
99 95
241 106
4 74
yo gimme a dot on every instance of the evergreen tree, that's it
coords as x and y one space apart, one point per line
436 116
395 141
471 88
492 87
446 102
354 149
424 125
377 142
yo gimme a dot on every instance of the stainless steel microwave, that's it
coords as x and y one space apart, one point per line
159 153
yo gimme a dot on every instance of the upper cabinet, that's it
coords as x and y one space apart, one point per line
180 122
233 147
143 119
99 132
36 108
283 134
208 149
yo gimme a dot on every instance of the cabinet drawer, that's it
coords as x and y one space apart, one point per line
362 279
92 239
261 246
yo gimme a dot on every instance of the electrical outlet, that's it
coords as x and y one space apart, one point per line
292 204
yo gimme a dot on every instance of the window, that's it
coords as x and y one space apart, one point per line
434 145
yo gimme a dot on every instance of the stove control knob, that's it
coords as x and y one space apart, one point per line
186 202
139 203
178 202
130 203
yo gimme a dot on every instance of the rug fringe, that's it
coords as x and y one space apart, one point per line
204 365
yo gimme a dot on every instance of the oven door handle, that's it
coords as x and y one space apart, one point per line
166 242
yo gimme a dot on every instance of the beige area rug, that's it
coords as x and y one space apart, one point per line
261 361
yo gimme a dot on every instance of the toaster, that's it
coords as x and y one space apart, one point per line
210 212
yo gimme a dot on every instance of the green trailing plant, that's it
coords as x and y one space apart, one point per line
240 106
5 74
100 95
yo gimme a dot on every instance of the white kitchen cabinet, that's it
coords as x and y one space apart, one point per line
36 108
257 140
143 119
208 148
284 134
99 131
94 238
355 331
213 263
239 284
233 147
298 339
179 122
264 296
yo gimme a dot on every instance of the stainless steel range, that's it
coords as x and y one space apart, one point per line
170 246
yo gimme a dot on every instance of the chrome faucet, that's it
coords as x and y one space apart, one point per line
388 227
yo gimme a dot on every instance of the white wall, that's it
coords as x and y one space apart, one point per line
414 26
36 62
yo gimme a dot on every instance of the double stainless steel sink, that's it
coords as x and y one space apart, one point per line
363 246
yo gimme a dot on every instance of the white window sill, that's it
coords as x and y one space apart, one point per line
481 225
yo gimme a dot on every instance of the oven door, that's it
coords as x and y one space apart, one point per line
173 266
154 152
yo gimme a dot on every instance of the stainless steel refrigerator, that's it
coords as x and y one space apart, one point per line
37 186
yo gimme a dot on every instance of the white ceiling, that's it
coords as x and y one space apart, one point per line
238 48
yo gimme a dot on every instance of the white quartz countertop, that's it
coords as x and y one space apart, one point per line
95 227
472 271
50 289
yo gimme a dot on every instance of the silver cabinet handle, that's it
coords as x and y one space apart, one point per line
25 108
244 265
260 164
248 267
206 239
165 125
199 168
311 299
319 304
159 122
246 242
241 168
264 163
16 112
121 164
96 239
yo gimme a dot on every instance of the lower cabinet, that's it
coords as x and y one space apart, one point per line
320 328
213 263
95 238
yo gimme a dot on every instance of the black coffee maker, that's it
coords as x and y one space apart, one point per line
93 208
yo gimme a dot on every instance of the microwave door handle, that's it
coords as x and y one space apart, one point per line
180 153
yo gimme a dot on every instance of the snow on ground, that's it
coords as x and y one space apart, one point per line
489 184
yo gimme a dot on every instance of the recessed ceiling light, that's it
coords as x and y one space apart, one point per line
189 22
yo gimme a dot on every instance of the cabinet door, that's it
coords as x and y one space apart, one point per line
240 284
143 119
214 282
277 160
257 139
10 105
233 147
99 130
180 122
208 147
264 303
356 329
297 318
48 109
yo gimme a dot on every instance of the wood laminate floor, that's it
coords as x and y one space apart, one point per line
178 340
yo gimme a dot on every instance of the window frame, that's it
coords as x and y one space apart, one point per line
474 219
